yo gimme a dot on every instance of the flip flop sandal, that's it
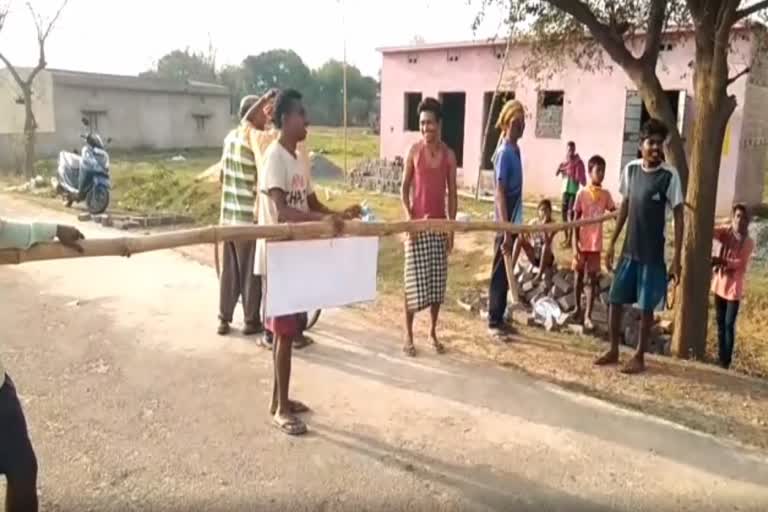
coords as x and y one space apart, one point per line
302 342
290 426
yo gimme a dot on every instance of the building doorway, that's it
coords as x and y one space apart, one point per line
492 137
454 112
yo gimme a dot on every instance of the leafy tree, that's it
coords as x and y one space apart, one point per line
358 109
594 33
276 68
329 91
184 65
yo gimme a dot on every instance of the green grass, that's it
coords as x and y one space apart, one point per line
329 141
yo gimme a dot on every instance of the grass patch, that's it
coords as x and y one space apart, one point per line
329 141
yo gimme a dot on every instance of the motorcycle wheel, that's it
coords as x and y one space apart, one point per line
98 200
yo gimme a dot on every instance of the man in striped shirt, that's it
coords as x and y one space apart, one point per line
238 183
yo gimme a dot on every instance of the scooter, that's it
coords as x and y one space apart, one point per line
85 177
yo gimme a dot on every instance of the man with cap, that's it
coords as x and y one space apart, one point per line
238 183
508 168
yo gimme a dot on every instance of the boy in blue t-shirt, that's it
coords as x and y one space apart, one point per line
649 188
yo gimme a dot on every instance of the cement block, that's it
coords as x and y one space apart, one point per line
567 303
561 283
84 217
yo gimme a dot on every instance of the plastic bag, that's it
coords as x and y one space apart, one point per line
547 312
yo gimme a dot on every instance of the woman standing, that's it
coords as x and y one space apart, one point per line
728 278
430 172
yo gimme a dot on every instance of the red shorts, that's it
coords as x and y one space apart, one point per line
284 326
588 262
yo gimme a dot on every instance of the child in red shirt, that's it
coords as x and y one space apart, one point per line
591 202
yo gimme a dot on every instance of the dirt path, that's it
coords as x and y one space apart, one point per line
134 404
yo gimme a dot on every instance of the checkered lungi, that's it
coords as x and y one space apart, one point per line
426 270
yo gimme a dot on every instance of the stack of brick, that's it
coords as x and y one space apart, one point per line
561 289
378 175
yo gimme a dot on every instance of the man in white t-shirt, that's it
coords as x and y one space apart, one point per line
286 195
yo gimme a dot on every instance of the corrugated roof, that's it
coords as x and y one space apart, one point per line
135 83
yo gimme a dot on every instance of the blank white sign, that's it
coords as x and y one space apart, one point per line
316 274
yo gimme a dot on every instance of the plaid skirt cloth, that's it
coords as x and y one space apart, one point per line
426 270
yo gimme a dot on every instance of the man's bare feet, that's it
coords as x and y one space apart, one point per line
409 349
294 406
610 357
634 366
588 325
439 347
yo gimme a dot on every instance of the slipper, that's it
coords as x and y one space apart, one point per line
295 407
289 425
298 407
302 341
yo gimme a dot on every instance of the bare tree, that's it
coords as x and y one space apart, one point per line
43 28
583 31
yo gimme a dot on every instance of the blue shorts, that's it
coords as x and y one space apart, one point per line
644 284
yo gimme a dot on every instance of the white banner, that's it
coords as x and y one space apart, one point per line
316 274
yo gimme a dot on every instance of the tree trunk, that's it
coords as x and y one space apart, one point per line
655 100
713 109
30 129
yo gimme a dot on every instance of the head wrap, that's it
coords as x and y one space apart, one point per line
511 111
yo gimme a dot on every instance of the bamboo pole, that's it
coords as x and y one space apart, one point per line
126 246
490 121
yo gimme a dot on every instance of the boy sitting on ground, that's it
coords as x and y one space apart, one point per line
538 246
591 202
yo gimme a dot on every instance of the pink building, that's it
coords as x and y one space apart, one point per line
600 111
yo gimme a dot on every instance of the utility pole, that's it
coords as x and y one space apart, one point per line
344 79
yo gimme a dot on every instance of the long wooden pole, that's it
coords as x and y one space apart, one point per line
489 120
344 77
126 246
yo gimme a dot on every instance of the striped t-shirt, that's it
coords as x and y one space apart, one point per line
238 178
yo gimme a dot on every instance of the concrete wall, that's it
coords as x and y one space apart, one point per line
142 119
134 119
592 116
12 116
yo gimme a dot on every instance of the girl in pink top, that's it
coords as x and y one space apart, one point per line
728 278
429 192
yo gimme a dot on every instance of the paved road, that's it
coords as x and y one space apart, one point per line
134 403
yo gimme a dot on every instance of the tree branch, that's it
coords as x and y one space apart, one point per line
752 9
656 21
42 36
738 75
611 42
14 73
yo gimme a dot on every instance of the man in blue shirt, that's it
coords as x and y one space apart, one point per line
509 207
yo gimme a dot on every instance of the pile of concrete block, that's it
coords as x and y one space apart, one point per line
561 289
379 175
